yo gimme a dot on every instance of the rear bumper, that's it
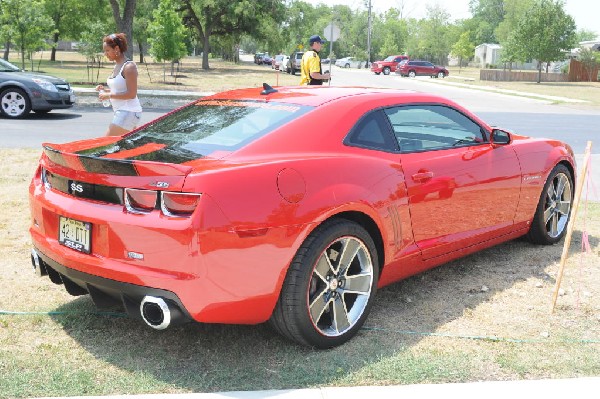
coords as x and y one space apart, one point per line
106 293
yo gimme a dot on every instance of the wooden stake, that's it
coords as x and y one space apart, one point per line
571 225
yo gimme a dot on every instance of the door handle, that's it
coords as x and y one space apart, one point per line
422 177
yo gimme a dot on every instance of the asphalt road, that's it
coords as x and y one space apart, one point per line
572 123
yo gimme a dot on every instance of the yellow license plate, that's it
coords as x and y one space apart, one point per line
74 234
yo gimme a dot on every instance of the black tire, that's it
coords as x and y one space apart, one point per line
293 71
412 74
14 103
347 66
386 71
553 211
441 75
316 307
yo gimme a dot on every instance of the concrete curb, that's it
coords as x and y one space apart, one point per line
548 389
170 99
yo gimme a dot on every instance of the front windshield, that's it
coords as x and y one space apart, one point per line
390 58
6 66
207 128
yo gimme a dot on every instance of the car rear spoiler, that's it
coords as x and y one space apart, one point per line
118 167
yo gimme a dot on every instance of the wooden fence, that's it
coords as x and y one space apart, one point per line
577 73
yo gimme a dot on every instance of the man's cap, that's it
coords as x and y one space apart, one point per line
315 39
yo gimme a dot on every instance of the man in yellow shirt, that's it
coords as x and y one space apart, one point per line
310 67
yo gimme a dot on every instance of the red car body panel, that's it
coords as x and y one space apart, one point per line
227 262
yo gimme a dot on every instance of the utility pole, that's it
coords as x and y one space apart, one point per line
369 37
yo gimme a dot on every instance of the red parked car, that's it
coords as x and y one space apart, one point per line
388 65
291 206
421 68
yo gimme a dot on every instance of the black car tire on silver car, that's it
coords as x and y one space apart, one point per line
554 208
330 285
14 103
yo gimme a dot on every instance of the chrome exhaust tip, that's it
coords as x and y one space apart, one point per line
155 312
37 263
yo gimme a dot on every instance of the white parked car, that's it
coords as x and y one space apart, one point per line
283 66
348 62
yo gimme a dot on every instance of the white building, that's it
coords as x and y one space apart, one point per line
487 54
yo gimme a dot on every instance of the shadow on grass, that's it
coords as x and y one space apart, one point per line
208 358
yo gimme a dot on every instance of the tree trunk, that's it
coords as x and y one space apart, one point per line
141 48
6 50
206 47
53 52
125 22
539 79
22 54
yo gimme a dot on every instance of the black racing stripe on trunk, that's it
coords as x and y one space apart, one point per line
115 167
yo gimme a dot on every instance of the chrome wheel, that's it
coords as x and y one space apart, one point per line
340 286
329 287
412 74
554 208
14 103
557 205
441 75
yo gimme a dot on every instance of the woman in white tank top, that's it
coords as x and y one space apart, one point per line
122 87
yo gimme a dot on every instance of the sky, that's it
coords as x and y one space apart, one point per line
585 12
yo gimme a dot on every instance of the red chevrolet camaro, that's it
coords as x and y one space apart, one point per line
290 205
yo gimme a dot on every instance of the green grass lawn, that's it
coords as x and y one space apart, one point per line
437 327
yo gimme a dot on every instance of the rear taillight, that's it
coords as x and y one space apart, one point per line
178 204
45 179
140 201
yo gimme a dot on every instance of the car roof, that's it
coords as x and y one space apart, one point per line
319 95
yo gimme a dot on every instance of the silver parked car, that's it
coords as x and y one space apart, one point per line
22 92
348 62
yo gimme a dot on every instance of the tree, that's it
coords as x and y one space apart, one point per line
544 33
487 15
90 45
392 29
513 10
142 18
4 29
590 60
463 48
167 34
435 38
226 17
124 21
67 19
584 35
27 25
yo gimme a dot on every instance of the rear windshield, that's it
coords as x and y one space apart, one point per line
206 128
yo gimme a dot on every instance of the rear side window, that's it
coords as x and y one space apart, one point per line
203 128
373 132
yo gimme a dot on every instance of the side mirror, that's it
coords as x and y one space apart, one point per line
500 137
